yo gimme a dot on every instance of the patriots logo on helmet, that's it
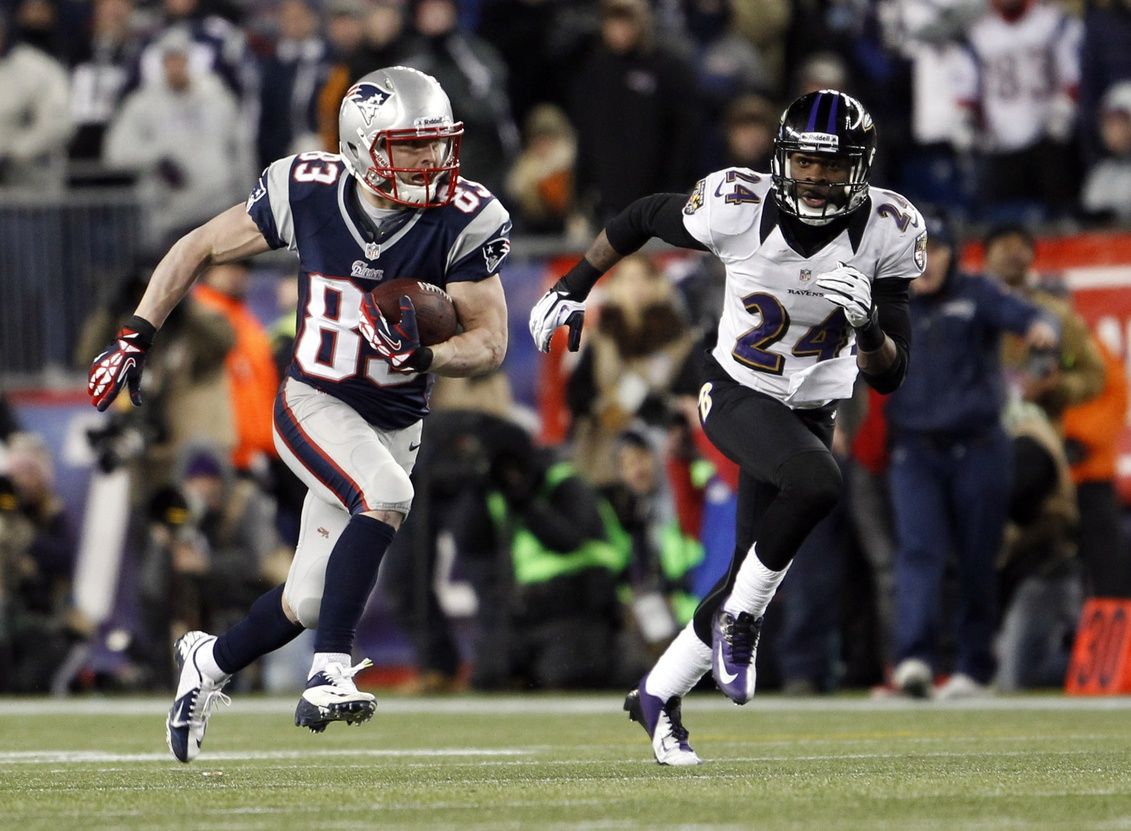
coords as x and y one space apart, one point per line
495 251
368 98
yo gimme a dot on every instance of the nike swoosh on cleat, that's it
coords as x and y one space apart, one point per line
723 674
335 693
182 711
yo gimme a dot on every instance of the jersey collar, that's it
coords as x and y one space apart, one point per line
857 221
369 236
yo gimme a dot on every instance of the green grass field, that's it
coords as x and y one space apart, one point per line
554 762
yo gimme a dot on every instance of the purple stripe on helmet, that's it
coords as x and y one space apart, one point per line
832 115
813 113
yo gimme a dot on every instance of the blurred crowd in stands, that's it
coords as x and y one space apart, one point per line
1013 110
981 506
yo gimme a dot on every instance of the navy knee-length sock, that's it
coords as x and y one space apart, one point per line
351 575
264 630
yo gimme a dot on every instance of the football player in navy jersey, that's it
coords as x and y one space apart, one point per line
818 267
347 419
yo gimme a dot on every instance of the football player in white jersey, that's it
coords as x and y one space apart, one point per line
347 420
818 266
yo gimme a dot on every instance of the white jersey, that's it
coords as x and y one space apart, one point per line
775 328
1014 71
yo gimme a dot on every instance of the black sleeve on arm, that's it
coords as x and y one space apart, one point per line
891 301
659 215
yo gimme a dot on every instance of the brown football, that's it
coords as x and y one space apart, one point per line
435 312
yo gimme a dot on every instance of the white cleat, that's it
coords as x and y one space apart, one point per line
912 677
332 695
663 722
196 698
961 686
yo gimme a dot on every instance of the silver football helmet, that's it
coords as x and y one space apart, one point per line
383 115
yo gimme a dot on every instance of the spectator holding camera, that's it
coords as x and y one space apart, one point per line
1085 397
37 553
1059 376
211 547
663 550
472 419
559 623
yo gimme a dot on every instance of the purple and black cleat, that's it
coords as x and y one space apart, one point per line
734 643
662 722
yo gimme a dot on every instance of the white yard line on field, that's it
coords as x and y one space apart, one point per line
54 757
542 705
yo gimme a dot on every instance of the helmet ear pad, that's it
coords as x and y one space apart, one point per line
826 122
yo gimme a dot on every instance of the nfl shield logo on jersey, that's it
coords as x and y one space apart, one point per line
806 275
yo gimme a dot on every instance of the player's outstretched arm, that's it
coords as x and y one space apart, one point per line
564 303
229 236
659 215
482 345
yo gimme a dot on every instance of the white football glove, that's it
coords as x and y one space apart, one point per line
849 288
555 309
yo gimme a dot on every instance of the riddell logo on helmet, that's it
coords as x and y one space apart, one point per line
824 142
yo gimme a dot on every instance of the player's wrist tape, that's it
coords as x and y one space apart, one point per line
146 331
420 359
870 336
579 280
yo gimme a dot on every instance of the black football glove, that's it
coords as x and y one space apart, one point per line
121 364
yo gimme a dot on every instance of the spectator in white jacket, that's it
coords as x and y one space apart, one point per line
182 134
1016 82
1107 189
34 121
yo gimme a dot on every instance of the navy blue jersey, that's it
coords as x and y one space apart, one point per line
309 203
955 384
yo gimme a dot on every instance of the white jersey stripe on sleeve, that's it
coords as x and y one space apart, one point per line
481 229
279 192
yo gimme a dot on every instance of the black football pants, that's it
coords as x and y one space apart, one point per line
788 479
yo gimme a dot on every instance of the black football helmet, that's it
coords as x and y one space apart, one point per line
821 123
